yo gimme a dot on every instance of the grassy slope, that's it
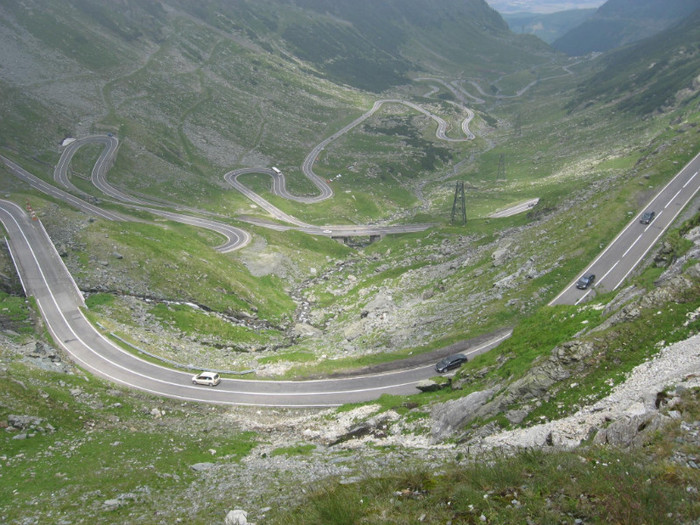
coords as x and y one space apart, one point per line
609 164
620 22
596 485
644 78
106 444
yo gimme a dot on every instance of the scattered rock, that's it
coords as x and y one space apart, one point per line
236 517
430 385
306 330
29 426
202 467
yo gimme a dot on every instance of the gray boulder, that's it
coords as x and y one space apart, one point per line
306 330
376 426
501 255
630 431
453 415
564 361
354 330
24 422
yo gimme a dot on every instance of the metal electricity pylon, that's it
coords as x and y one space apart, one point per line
501 167
459 206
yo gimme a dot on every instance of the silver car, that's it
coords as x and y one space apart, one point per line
206 378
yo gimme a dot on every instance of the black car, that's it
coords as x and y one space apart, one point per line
450 362
647 217
585 281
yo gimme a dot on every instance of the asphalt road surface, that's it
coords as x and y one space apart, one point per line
627 250
45 277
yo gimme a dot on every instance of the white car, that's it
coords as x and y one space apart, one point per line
206 378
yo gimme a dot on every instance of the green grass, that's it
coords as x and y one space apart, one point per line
596 485
15 315
536 336
98 300
295 356
185 319
179 261
294 450
105 444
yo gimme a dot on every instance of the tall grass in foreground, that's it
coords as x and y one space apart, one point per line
593 485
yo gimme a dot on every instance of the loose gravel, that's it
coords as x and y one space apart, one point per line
674 366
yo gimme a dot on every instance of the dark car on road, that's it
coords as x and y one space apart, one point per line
585 281
450 362
647 217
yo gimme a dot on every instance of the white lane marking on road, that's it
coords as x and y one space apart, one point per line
690 179
656 239
632 245
673 198
629 225
652 223
582 297
611 269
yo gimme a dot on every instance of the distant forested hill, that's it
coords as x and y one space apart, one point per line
374 45
619 22
659 72
163 68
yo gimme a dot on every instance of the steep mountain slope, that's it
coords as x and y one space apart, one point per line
374 45
183 71
194 88
619 22
657 73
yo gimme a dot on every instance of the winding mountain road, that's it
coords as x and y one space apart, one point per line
236 237
45 277
279 186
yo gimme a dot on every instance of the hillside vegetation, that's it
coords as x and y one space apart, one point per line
660 72
620 22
